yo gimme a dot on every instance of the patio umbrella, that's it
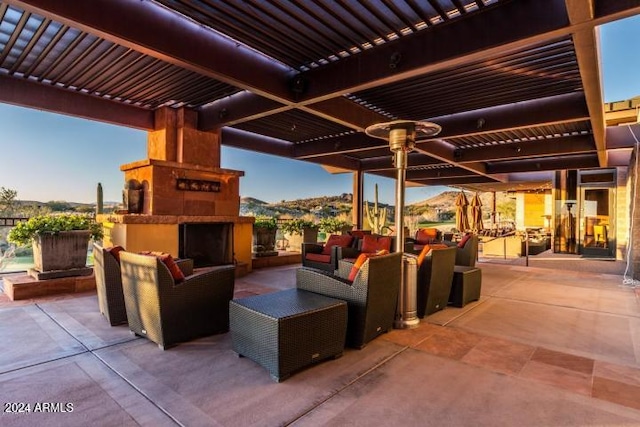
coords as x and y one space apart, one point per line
476 213
462 220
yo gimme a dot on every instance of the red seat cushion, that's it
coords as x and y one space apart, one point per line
343 240
464 240
115 251
426 235
319 258
362 258
426 249
371 243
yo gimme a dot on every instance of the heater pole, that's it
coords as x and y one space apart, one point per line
401 135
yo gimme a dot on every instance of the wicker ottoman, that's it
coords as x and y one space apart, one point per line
288 330
466 285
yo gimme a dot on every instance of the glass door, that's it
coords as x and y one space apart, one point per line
597 236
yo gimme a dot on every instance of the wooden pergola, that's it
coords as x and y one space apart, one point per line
515 85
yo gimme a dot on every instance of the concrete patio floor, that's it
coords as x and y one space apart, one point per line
542 347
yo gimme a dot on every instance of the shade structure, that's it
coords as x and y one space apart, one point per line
462 219
476 213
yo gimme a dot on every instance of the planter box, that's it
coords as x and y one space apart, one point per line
65 250
309 235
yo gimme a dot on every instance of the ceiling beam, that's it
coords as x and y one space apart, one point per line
337 145
585 43
237 108
581 161
437 173
456 181
386 162
154 30
253 142
526 149
539 112
445 152
25 93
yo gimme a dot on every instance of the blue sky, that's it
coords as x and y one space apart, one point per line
48 156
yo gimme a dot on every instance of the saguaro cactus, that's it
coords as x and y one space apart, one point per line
100 201
376 216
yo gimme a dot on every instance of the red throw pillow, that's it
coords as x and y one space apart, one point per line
426 249
343 240
371 243
426 235
168 260
463 241
362 258
115 251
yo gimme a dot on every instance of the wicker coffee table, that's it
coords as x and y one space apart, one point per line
288 330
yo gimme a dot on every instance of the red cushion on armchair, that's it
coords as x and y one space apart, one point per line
371 243
343 240
319 257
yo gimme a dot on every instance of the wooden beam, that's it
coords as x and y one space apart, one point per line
254 142
585 42
581 161
18 91
527 149
386 162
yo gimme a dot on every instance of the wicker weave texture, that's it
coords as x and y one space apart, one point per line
288 330
372 297
109 286
466 285
435 276
167 313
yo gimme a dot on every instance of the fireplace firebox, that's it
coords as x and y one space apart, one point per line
207 244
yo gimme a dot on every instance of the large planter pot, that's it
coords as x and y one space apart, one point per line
61 251
264 239
309 235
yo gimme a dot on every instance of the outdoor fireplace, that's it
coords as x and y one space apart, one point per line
207 244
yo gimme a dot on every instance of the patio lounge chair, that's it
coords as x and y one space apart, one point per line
106 267
167 312
435 274
371 297
466 250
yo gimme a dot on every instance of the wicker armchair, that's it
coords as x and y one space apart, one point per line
435 275
168 313
371 298
468 253
106 269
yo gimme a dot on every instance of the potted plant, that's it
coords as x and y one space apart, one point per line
334 225
300 231
59 241
264 235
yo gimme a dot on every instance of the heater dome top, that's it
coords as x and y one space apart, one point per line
421 129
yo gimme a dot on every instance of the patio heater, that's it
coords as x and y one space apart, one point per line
401 135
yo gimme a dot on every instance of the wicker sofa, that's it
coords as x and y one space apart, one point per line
326 256
168 313
371 297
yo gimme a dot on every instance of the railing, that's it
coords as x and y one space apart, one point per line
11 221
512 233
